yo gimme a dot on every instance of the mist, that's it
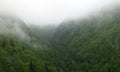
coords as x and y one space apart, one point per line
52 12
13 26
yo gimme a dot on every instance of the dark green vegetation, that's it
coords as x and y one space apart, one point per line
45 33
90 45
87 45
17 56
21 50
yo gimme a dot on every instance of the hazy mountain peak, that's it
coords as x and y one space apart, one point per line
13 26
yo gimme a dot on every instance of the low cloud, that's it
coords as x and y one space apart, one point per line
12 26
42 12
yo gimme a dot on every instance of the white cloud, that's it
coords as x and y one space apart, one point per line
51 11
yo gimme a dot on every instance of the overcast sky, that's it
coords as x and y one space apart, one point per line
51 11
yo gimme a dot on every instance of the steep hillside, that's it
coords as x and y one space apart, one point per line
45 33
21 50
92 44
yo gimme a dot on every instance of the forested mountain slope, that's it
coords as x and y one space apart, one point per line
20 49
45 33
92 44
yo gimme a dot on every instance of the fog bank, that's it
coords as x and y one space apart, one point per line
42 12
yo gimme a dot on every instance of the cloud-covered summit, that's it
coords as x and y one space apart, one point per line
13 26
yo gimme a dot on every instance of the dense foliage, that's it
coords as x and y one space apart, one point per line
17 56
92 45
21 50
87 45
45 33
